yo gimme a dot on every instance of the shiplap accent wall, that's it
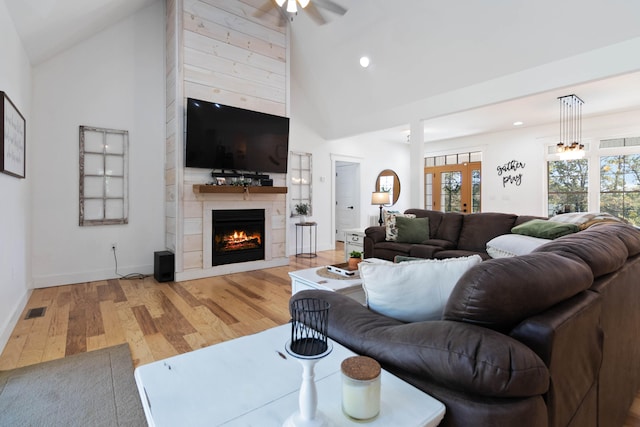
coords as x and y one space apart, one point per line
219 51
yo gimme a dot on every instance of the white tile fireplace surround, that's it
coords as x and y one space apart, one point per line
198 231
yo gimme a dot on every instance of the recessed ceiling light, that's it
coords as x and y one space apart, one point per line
518 123
364 61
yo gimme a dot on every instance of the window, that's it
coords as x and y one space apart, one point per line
568 185
614 171
104 198
620 186
300 171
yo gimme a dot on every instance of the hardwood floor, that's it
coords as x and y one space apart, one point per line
159 320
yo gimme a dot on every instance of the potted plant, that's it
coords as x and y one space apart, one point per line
302 209
354 259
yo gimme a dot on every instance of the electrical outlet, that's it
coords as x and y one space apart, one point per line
114 246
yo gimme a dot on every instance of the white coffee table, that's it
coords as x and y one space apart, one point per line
252 381
309 279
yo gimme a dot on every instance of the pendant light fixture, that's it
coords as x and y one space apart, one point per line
570 145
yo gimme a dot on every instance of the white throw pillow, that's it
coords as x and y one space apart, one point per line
413 291
510 245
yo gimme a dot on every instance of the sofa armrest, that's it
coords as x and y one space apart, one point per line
568 338
464 357
376 233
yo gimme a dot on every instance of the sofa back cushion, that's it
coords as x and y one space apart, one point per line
500 293
599 246
479 228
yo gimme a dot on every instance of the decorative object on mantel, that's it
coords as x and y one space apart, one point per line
380 198
222 189
13 143
245 179
570 146
308 344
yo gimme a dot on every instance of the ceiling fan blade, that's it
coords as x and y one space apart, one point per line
331 6
315 14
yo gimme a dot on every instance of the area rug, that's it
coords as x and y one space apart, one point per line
88 389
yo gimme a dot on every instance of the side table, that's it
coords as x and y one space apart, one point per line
313 239
353 241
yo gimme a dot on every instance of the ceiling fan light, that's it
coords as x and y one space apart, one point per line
280 2
303 3
291 6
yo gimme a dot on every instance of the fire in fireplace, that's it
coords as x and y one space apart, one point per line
237 236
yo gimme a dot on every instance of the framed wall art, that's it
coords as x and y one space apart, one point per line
13 143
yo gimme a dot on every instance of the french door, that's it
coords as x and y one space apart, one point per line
453 188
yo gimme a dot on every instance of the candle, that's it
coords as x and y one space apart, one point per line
360 387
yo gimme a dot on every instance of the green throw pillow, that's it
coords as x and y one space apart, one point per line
545 229
412 230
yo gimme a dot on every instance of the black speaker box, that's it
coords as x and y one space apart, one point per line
266 182
163 266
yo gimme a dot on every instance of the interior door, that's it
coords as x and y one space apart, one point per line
453 188
347 197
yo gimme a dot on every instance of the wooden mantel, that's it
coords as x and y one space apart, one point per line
229 189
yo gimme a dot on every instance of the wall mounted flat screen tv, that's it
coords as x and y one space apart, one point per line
235 139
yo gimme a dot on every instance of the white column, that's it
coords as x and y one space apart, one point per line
416 163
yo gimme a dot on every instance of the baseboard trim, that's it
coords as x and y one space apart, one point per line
88 276
229 268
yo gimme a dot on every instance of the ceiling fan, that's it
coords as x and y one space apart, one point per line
289 8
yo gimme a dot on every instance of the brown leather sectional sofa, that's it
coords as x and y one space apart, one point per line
544 339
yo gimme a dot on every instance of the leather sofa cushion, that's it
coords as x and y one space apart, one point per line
500 293
595 246
461 356
478 229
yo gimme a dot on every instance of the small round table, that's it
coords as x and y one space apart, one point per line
313 239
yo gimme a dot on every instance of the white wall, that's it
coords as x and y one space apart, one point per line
113 80
527 145
15 276
373 155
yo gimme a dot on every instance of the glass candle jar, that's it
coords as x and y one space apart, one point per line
360 387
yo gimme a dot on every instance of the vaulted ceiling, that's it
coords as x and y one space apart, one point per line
464 66
430 58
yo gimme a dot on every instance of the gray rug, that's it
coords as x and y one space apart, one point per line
88 389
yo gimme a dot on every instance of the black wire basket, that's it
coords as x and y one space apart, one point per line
309 323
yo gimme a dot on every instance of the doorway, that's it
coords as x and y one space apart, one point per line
347 197
453 188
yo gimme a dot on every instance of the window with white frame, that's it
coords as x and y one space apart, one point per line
300 185
606 180
104 198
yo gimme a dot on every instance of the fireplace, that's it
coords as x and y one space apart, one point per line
237 236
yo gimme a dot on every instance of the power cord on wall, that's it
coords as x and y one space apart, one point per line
130 276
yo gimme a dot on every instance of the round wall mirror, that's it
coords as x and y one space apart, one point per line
388 181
